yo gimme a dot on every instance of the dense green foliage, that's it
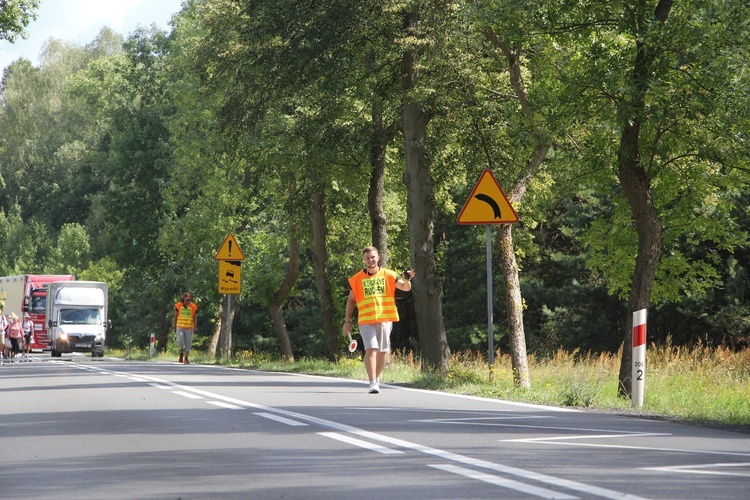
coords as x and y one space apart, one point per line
130 159
15 15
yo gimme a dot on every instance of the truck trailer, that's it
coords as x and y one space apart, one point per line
27 293
77 317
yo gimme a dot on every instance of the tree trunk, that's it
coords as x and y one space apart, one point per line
278 299
213 345
320 264
428 287
165 326
514 302
636 186
381 137
224 334
504 240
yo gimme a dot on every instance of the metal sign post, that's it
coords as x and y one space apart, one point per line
487 204
490 319
227 331
230 258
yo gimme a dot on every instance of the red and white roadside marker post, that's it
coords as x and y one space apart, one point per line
151 344
638 375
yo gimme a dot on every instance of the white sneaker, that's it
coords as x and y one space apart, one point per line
374 388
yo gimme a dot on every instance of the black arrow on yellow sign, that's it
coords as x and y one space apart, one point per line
492 203
487 204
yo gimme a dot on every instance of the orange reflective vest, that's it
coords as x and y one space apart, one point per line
185 314
375 296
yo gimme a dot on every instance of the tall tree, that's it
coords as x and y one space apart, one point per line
15 16
631 171
653 113
416 116
540 140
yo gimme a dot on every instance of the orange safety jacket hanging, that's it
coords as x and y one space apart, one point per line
375 296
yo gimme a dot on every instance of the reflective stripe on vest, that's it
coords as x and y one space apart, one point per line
185 315
375 296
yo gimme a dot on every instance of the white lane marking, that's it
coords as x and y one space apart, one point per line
462 396
222 404
623 434
283 420
505 469
480 420
360 443
506 483
159 386
453 457
561 442
698 469
187 394
437 410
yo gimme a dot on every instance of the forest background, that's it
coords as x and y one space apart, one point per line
619 131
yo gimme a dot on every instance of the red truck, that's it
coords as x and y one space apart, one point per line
28 293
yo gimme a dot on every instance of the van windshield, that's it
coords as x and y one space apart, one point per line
80 317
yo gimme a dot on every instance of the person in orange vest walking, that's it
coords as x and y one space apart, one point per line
185 325
373 293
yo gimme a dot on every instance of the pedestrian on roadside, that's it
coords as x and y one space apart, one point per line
373 292
3 327
28 333
15 334
185 325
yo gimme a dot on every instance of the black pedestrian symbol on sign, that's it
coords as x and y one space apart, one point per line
491 202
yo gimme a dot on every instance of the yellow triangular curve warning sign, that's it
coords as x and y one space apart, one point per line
487 204
229 250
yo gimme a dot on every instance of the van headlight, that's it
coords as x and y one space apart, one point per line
63 336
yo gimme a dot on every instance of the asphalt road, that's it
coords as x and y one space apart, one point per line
88 428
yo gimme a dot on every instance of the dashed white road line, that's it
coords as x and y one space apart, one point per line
344 429
222 404
188 395
504 482
362 444
283 420
701 469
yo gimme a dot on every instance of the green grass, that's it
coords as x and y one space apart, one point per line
699 385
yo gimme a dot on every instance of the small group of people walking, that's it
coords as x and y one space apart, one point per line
372 292
16 335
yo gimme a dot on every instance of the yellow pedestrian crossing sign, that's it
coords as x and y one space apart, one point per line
487 204
229 250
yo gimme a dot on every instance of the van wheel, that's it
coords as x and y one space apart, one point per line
56 353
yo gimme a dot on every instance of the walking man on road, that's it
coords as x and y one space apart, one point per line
373 292
185 325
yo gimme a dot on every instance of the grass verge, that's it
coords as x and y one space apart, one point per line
699 385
